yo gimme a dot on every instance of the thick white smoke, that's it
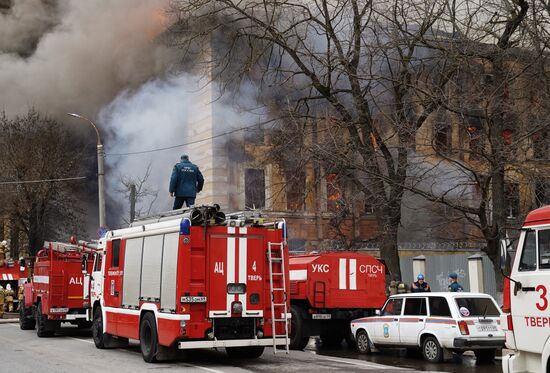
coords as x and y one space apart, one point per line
74 55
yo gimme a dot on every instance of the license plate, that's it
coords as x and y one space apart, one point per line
486 328
188 299
321 316
59 310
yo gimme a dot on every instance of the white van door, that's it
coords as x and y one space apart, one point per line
413 320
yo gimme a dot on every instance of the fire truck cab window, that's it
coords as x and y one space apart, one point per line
528 260
393 307
115 258
415 307
544 249
439 307
97 262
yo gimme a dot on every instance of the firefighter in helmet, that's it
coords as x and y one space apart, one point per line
2 297
9 298
20 295
3 249
186 181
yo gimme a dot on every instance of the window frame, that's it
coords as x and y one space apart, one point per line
414 298
535 231
117 256
391 300
538 252
430 307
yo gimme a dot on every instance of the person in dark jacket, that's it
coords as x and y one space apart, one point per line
454 286
420 286
186 181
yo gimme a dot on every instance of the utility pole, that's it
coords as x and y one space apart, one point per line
132 202
100 171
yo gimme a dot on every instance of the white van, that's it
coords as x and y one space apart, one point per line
436 323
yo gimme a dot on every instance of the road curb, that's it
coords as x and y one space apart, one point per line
9 321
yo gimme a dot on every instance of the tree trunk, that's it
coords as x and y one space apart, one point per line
493 252
389 251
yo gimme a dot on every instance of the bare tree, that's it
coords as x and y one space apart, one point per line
360 63
141 197
35 153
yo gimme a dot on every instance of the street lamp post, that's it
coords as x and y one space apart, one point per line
100 170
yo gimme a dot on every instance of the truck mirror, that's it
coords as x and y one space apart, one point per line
22 263
84 264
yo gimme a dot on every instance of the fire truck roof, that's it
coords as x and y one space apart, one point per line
539 216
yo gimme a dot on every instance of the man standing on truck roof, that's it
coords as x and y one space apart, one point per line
454 286
186 181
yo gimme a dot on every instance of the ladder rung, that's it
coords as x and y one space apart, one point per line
279 304
280 320
276 259
278 289
281 336
277 274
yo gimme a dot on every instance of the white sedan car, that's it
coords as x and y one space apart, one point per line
435 323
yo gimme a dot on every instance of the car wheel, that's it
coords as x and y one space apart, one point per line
485 356
362 342
148 339
431 350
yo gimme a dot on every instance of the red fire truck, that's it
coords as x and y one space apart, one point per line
58 291
329 290
193 280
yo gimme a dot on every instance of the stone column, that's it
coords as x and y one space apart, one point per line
475 273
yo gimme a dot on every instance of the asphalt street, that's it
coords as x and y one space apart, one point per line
74 351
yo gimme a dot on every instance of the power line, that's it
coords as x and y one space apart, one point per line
187 143
42 180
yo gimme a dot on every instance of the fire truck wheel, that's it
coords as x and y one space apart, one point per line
484 356
251 352
148 339
26 319
299 337
431 350
362 342
43 329
101 340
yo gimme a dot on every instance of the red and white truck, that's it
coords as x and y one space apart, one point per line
192 280
526 298
329 290
58 291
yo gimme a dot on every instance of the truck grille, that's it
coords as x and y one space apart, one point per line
234 328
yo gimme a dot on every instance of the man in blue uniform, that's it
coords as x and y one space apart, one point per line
454 286
420 286
186 181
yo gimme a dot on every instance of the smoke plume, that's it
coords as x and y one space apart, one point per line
72 55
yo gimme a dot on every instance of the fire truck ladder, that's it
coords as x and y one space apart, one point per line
277 270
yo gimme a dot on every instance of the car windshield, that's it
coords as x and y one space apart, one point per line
477 307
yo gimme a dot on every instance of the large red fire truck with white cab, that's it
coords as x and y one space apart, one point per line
526 298
192 279
58 291
329 290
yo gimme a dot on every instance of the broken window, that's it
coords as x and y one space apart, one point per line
542 192
295 189
474 129
442 132
334 193
254 188
511 198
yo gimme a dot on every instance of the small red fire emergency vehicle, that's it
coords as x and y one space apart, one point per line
329 290
192 279
58 291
